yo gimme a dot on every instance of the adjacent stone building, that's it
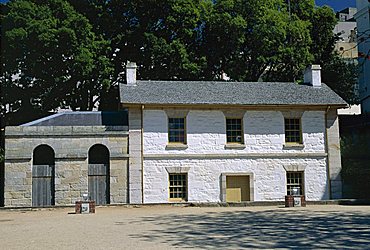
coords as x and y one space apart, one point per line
53 161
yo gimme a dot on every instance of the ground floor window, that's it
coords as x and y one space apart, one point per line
178 187
295 181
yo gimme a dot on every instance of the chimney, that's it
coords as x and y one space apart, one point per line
312 76
131 73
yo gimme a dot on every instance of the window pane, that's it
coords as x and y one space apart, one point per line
292 130
178 186
234 130
176 130
295 181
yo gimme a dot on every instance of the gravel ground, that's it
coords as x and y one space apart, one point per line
165 227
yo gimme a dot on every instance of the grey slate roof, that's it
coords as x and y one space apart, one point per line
227 93
85 118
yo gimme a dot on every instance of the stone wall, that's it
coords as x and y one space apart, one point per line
264 154
71 146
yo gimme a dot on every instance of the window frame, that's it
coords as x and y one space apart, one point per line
300 142
241 131
185 131
301 185
185 192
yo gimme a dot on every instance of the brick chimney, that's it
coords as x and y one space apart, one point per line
131 73
312 76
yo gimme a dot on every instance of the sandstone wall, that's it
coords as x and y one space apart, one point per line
71 146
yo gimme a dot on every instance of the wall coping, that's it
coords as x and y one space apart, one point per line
65 131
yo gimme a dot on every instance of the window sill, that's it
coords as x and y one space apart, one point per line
177 146
293 146
235 146
177 200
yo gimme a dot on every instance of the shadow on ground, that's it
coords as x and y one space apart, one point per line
261 229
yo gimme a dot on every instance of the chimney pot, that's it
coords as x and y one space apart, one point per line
312 75
131 73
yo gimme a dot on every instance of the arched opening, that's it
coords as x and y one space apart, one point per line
98 172
43 172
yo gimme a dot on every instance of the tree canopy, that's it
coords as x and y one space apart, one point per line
63 52
50 57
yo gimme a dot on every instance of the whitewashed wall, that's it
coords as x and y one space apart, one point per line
204 178
206 137
206 132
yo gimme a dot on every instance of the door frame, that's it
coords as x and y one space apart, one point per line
223 184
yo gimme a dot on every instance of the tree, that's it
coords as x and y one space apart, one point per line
341 76
261 38
162 37
50 57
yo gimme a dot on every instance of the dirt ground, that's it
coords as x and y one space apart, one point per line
164 227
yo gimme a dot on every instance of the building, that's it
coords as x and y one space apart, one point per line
185 141
54 160
231 141
346 46
363 39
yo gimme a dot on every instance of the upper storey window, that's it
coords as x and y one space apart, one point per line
293 131
234 131
177 130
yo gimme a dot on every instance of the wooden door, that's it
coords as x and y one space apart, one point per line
42 185
99 183
237 188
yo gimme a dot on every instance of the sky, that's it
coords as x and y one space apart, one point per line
335 4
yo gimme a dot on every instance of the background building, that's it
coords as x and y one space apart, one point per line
363 40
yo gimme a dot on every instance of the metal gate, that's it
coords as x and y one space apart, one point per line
42 185
99 183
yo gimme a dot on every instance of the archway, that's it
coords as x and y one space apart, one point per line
98 174
43 172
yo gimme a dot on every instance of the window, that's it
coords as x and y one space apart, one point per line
176 130
234 132
294 180
178 187
293 130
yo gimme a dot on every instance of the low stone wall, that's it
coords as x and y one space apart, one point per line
71 145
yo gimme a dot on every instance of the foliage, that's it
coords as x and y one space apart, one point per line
355 148
341 76
2 157
64 52
50 57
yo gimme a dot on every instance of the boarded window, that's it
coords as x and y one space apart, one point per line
237 188
43 172
98 172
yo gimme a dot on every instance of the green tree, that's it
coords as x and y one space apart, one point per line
258 38
341 76
50 57
162 37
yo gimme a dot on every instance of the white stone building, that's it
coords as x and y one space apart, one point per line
363 39
231 141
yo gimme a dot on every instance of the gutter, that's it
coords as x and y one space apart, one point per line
327 151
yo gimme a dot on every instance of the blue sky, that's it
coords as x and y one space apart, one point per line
335 4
